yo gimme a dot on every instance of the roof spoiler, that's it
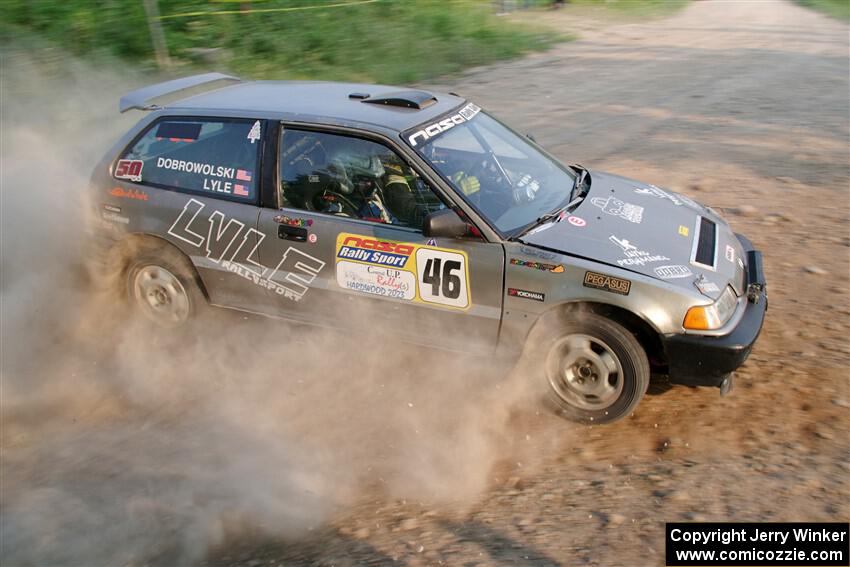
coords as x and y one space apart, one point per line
141 98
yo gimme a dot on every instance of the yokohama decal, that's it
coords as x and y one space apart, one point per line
524 294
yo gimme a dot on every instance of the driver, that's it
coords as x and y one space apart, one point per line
468 184
523 189
356 179
400 198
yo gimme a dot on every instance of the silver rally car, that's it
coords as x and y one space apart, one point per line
420 213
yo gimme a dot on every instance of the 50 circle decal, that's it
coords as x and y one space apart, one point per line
130 169
402 270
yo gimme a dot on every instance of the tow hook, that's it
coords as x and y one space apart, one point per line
726 384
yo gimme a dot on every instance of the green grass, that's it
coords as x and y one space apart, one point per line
601 12
619 9
392 41
634 7
838 9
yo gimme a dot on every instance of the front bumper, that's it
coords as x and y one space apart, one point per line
698 360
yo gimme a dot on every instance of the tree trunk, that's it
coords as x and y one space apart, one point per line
157 35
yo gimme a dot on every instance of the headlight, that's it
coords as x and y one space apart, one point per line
714 316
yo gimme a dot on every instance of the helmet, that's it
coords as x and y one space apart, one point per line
356 163
392 164
339 173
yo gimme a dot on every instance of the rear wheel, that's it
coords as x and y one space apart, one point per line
161 285
595 369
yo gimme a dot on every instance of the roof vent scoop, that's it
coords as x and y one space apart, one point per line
358 96
404 99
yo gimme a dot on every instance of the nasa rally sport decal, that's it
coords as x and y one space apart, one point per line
403 270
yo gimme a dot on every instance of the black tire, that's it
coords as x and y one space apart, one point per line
162 286
594 369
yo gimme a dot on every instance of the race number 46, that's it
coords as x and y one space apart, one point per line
442 277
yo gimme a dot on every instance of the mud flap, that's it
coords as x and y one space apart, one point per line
726 384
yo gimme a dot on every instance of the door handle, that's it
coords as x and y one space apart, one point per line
292 233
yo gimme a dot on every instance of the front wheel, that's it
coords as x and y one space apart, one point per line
596 370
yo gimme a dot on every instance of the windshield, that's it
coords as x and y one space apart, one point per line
505 178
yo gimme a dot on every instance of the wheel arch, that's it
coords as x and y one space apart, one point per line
121 253
646 334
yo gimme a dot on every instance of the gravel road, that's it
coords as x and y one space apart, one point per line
740 105
125 447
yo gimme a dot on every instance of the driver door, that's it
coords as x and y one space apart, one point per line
350 209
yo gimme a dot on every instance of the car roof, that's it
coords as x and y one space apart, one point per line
325 102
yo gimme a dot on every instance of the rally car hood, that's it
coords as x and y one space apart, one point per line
645 229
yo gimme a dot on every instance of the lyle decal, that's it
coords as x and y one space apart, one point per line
228 243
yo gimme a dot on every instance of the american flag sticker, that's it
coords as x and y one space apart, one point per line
240 190
243 175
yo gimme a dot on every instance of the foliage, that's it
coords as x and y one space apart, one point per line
838 9
394 41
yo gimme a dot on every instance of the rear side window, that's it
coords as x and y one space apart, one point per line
215 157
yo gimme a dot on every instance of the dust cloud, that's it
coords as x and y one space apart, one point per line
125 446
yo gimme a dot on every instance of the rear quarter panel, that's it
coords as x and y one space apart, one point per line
122 209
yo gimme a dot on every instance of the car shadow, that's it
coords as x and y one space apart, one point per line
659 384
503 550
325 547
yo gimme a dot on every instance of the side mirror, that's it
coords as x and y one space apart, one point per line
445 223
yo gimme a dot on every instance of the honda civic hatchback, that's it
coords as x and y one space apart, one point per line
420 213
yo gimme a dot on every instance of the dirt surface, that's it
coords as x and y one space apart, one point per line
740 105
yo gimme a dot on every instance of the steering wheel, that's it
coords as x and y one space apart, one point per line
495 189
334 202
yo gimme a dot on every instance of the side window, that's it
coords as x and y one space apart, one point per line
352 177
215 156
